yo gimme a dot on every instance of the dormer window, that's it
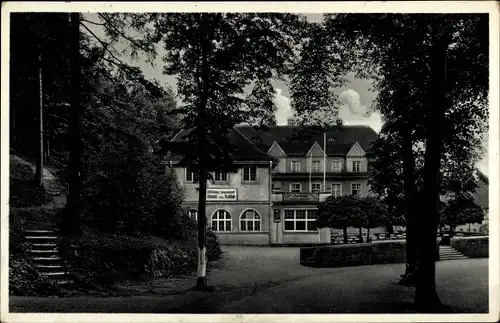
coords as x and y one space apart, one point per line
336 166
356 166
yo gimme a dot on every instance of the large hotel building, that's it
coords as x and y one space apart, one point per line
283 173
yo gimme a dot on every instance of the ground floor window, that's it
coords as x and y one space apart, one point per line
316 187
300 220
336 189
356 189
250 221
221 221
193 214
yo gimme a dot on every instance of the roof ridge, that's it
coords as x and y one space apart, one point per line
250 142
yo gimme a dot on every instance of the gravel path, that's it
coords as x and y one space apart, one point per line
271 280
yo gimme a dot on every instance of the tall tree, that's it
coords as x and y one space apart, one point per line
215 57
71 220
40 154
441 117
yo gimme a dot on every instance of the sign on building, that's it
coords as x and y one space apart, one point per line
300 197
277 215
221 194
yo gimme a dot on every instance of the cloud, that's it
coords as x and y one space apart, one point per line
351 101
284 110
353 112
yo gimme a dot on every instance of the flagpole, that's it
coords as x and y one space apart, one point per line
324 161
310 172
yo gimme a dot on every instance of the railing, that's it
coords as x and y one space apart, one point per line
317 175
299 197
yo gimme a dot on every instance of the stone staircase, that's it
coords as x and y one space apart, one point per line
45 254
449 253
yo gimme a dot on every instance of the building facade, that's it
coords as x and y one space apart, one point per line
283 173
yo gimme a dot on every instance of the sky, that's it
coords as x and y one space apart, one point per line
354 98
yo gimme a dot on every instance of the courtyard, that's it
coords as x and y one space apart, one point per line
271 280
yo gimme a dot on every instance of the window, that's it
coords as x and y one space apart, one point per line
316 187
250 221
336 189
221 221
300 220
315 166
276 187
336 166
193 214
220 177
250 174
356 189
356 166
295 166
191 176
295 188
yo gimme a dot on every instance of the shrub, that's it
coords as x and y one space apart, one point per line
24 280
484 228
24 191
101 259
27 193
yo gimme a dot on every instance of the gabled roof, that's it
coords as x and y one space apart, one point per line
295 142
242 149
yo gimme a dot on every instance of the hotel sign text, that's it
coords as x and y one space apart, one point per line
221 194
300 197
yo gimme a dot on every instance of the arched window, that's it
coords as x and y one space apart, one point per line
193 214
250 221
221 221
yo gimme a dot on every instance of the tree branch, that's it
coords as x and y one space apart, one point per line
93 22
105 46
133 41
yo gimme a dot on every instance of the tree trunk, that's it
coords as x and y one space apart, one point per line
426 298
40 154
408 278
360 240
368 235
201 277
344 231
71 220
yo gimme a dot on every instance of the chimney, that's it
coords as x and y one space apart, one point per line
339 122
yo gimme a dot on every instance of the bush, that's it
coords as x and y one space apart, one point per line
24 191
27 193
484 228
24 280
101 259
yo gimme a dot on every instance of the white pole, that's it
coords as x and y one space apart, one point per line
270 203
310 173
324 161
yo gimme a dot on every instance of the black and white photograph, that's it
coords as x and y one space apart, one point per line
263 158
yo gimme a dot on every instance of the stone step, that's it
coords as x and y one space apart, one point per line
41 238
453 258
45 232
53 260
50 268
54 274
448 251
44 246
44 253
